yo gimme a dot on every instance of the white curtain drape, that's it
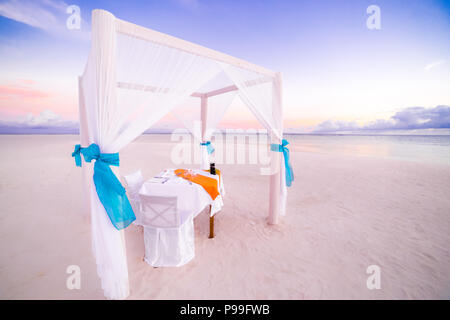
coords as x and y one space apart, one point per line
217 106
98 85
188 114
262 95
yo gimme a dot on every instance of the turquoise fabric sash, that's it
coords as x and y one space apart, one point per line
109 189
209 146
282 148
76 155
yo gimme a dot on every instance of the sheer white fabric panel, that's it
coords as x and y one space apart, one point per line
259 93
262 95
217 106
220 81
98 85
152 80
188 113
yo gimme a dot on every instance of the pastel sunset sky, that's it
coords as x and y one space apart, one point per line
336 72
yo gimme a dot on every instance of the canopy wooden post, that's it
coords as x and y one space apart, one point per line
275 205
275 181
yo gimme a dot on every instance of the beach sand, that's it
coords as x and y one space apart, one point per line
344 213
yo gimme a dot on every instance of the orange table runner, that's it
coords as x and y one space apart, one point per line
210 185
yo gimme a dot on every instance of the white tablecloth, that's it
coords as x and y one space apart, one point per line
191 196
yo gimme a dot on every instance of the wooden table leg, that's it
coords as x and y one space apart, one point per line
211 227
211 224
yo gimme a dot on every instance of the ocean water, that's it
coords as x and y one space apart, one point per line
421 148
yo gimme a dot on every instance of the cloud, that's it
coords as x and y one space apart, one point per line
32 13
47 122
412 118
48 15
46 117
332 126
434 64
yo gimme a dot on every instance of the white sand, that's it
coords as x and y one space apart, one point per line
344 214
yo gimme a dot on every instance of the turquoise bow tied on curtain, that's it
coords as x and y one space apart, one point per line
209 146
282 148
109 189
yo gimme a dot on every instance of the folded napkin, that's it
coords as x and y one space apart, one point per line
209 184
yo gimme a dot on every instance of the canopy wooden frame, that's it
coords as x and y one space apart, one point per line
103 49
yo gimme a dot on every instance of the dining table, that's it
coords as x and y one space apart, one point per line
191 196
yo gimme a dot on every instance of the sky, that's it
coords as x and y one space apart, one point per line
338 74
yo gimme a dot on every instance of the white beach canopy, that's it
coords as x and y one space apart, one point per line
135 76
